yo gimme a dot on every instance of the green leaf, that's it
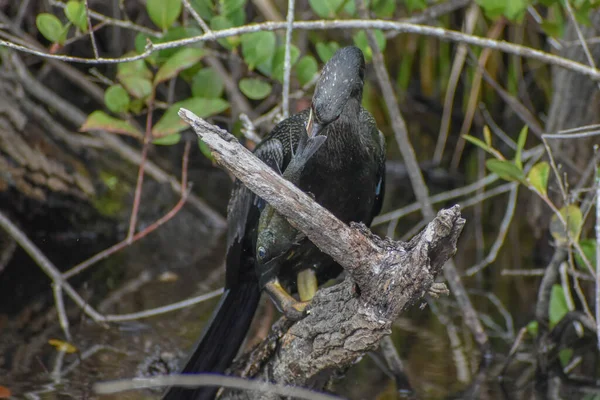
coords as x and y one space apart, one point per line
306 69
51 28
171 123
116 99
183 59
138 87
75 12
278 61
558 305
538 177
229 7
520 145
204 7
589 250
533 328
574 218
515 9
383 8
258 47
477 142
506 170
99 120
136 68
511 9
360 40
168 140
221 22
207 83
487 136
163 12
326 8
204 149
255 89
327 50
565 355
413 5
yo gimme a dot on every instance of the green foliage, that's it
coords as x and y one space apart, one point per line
565 356
207 83
558 305
533 328
326 8
220 22
326 50
163 13
116 99
306 69
589 250
520 145
170 122
511 9
168 140
574 219
258 48
506 170
99 120
255 89
360 40
413 5
51 28
385 8
538 178
183 59
278 61
75 12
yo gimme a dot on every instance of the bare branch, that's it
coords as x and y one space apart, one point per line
401 27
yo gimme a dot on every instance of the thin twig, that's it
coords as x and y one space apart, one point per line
91 29
473 97
140 179
164 309
586 49
47 266
196 16
403 27
597 180
287 65
455 72
113 21
502 231
152 227
197 380
60 310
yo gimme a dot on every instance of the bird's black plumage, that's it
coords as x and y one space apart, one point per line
345 175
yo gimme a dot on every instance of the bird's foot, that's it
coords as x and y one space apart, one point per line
307 284
292 309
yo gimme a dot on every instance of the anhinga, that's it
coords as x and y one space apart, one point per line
345 175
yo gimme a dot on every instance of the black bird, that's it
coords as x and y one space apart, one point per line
345 175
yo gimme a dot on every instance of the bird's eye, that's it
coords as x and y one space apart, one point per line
262 253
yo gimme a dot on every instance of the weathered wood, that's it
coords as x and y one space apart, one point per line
347 320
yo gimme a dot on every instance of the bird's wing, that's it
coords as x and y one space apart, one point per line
242 200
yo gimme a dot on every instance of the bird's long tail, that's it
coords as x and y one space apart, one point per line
221 340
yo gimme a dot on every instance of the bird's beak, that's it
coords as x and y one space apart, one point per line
313 127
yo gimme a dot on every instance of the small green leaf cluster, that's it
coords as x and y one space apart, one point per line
51 27
566 222
515 10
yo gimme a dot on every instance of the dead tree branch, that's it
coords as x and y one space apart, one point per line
349 319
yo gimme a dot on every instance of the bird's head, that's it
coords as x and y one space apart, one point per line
342 79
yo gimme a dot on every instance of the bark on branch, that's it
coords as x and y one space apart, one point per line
349 319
